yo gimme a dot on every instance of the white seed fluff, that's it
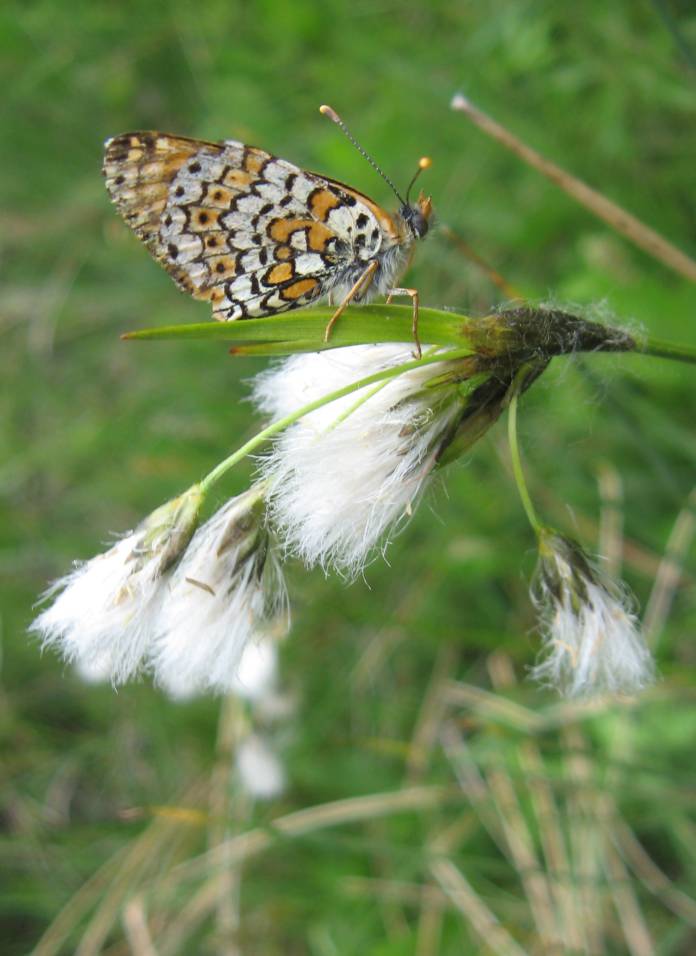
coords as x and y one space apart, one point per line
95 671
259 768
592 641
256 674
226 595
102 612
344 475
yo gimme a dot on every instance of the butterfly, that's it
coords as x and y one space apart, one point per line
256 235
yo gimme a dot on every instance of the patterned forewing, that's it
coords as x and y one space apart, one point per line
139 169
252 233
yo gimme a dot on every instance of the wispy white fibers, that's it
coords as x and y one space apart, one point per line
226 593
260 769
96 670
255 676
102 613
593 642
343 476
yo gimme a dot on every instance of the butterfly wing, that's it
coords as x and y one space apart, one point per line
253 234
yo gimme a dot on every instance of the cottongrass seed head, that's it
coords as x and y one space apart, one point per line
102 614
592 640
224 599
256 674
258 768
344 475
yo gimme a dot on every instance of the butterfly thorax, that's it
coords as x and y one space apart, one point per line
392 248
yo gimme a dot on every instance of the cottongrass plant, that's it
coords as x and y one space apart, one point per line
357 434
569 867
592 640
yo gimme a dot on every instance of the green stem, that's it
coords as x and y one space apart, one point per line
365 398
223 467
668 350
356 405
515 452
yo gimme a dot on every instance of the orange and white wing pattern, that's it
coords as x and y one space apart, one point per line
253 234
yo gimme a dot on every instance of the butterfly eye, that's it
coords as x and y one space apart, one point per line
416 220
420 224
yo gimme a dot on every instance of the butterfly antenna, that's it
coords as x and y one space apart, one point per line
425 162
335 118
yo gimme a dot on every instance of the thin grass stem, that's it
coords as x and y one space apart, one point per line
476 912
517 469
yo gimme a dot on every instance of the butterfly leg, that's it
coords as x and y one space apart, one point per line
414 324
361 284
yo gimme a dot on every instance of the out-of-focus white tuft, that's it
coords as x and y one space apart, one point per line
259 768
593 644
225 597
96 670
256 674
345 474
102 613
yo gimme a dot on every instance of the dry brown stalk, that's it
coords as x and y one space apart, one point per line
670 570
635 930
136 929
619 219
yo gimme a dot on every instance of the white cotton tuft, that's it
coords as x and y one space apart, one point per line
94 671
255 676
102 613
259 768
226 595
344 475
592 641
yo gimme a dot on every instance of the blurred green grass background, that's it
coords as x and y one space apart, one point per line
94 433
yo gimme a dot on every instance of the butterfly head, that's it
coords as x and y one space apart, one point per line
417 216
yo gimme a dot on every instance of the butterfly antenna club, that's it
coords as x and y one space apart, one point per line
425 162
